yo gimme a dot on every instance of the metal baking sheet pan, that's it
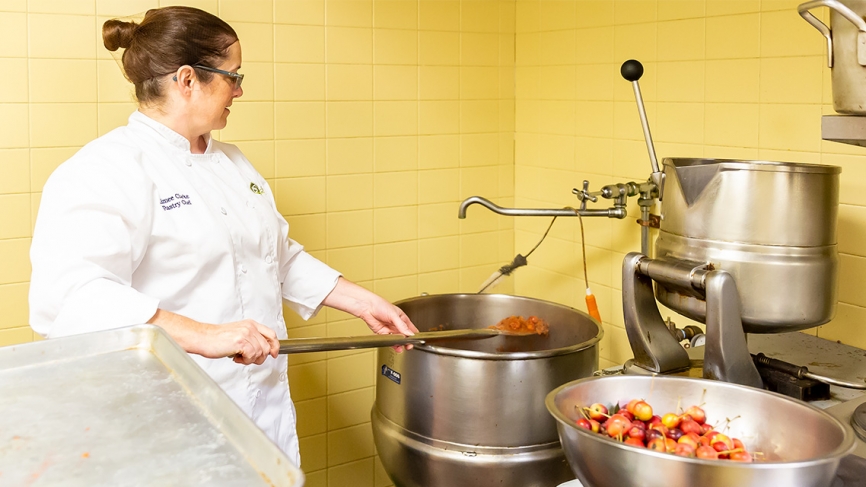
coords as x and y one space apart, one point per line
125 407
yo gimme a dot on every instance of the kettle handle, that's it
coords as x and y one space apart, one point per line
838 6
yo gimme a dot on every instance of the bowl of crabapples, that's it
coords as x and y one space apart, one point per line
666 431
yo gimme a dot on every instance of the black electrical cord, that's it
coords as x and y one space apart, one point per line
519 260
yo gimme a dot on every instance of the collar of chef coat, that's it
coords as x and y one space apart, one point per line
173 138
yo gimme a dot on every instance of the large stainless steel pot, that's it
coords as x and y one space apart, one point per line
802 444
846 50
771 225
472 413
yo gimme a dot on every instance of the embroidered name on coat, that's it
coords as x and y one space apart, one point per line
175 201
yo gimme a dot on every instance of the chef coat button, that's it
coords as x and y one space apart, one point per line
244 269
283 377
188 163
258 393
269 259
223 211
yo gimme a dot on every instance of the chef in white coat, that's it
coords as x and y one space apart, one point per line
157 222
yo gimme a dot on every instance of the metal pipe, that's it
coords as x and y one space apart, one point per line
644 230
609 212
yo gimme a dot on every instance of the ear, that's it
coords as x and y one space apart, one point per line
185 77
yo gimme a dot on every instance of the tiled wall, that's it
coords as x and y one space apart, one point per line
723 78
371 119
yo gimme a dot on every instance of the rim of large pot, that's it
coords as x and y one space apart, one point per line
540 354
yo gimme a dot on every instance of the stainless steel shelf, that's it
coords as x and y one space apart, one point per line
845 129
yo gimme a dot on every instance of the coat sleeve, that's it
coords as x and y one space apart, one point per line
91 233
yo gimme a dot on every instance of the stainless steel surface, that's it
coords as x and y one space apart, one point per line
472 413
610 212
771 225
803 372
324 344
125 407
845 129
803 456
846 50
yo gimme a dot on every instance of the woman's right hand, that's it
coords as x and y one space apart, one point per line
246 341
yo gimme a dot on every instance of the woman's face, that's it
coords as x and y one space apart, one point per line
220 92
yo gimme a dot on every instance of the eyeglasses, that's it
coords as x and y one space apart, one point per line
236 77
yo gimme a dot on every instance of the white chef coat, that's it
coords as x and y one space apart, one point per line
135 221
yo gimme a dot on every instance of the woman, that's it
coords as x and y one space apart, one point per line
156 222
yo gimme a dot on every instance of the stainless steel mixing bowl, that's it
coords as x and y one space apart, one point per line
802 444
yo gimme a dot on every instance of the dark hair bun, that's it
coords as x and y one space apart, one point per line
118 34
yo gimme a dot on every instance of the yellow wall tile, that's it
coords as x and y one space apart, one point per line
13 302
314 450
681 81
439 220
595 45
681 122
556 47
299 82
350 373
14 171
479 83
839 329
395 118
438 48
234 11
15 85
349 45
13 34
439 14
298 196
396 224
438 254
112 115
259 81
479 16
299 158
785 33
477 180
395 46
44 161
356 263
350 192
438 117
14 260
350 408
732 124
351 13
307 381
439 282
395 189
479 150
251 120
479 116
312 417
395 153
732 37
111 86
681 40
636 41
557 15
479 49
62 124
438 151
75 30
733 81
13 5
299 44
14 125
15 222
350 82
257 43
728 7
350 228
310 12
397 288
395 14
15 336
299 120
634 11
381 477
395 82
777 74
122 8
350 156
350 119
439 82
791 127
310 230
395 259
680 9
358 473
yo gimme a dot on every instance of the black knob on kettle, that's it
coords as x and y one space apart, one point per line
631 70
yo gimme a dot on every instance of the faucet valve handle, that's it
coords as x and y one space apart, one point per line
584 194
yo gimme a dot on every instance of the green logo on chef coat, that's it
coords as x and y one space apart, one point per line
255 188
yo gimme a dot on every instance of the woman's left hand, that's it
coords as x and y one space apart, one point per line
381 316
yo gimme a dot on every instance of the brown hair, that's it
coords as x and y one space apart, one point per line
165 40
